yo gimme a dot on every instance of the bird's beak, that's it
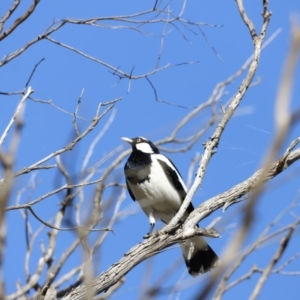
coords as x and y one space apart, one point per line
128 140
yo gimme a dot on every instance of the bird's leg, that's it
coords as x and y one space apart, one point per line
150 231
152 224
151 228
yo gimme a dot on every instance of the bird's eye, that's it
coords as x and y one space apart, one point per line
138 140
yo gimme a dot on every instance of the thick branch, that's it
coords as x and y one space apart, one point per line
148 248
162 240
243 189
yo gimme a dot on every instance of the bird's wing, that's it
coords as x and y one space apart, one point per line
129 190
173 174
174 177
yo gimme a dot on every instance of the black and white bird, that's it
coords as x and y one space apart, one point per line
156 184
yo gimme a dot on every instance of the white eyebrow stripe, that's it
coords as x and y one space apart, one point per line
172 166
144 147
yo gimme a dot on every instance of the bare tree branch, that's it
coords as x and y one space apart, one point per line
139 253
163 239
214 140
72 144
16 114
17 21
9 13
93 193
64 187
283 244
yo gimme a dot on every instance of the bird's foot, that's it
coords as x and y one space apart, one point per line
147 236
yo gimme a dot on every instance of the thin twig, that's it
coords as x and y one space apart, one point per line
16 114
64 187
33 71
71 145
283 244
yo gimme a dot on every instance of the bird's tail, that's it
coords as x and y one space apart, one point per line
199 257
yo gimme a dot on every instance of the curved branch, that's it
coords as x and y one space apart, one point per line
72 144
212 144
9 13
146 249
162 239
243 189
17 22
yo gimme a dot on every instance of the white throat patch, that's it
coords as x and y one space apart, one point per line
144 147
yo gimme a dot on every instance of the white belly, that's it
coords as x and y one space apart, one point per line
157 197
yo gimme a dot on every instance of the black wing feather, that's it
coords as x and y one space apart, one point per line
174 179
129 190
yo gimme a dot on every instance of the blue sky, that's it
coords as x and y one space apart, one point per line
63 75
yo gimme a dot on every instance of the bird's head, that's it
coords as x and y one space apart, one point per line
142 144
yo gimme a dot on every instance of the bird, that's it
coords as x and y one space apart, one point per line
156 184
